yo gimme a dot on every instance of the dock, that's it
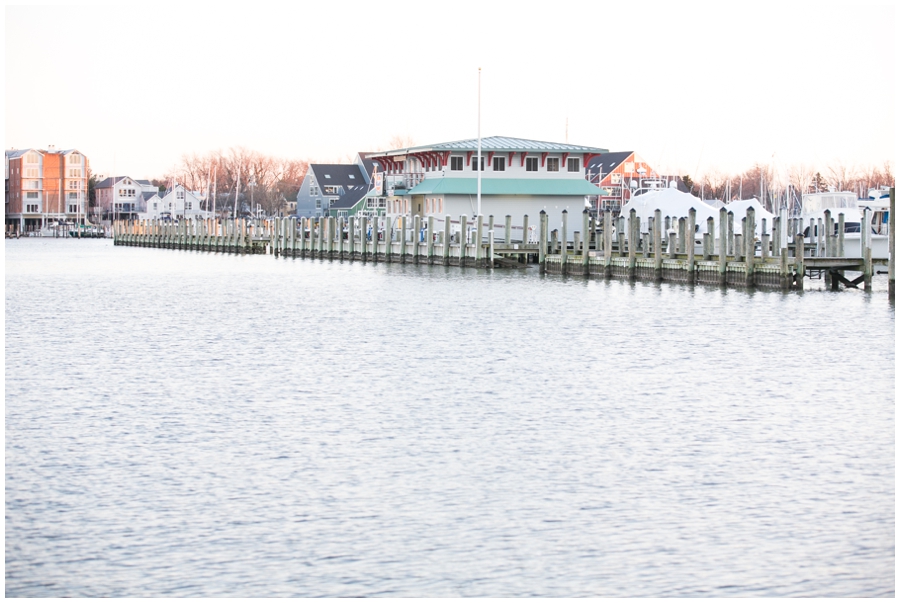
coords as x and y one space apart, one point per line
604 247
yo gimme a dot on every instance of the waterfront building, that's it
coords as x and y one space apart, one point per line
177 203
122 197
44 187
518 177
341 189
623 175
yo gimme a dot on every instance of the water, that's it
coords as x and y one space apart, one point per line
190 424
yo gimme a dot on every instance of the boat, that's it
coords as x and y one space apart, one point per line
878 200
812 213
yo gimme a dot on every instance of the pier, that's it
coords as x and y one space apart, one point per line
728 253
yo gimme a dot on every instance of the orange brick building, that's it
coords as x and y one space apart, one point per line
44 187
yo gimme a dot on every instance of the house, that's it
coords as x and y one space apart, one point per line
177 203
623 175
122 197
337 189
44 186
518 177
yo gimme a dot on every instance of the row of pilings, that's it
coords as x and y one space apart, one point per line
727 253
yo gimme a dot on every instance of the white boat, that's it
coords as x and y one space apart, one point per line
879 201
813 208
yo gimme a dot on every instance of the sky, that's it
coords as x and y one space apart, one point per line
692 87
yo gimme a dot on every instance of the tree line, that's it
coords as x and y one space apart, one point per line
254 179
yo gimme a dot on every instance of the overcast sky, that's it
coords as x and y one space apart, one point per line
691 87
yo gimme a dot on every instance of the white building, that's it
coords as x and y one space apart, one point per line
178 203
518 177
123 197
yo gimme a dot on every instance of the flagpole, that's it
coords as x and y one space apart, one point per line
478 164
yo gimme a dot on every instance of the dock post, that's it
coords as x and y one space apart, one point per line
542 242
490 251
634 228
417 228
730 235
750 244
829 235
340 237
375 228
445 250
507 233
430 235
607 243
840 235
798 260
891 248
711 231
865 242
331 223
690 243
723 246
764 252
821 250
292 227
463 239
586 242
479 241
320 240
564 243
657 245
364 238
351 237
682 239
525 237
620 235
403 239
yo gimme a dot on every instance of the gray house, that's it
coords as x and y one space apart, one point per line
338 189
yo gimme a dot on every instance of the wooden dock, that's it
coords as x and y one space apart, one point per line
605 247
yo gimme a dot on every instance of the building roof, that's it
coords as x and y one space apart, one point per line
337 174
607 162
506 186
147 195
497 143
350 197
108 182
13 153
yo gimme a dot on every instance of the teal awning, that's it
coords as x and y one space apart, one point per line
576 187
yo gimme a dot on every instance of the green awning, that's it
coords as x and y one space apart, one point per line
576 187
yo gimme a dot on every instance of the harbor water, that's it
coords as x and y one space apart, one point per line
195 424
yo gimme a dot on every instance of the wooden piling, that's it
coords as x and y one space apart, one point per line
542 243
657 245
479 241
463 239
585 244
445 250
690 243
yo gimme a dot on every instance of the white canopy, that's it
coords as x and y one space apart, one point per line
739 208
672 203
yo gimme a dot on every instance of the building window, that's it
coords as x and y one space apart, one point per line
32 209
188 205
31 172
31 195
475 163
574 164
553 164
499 164
334 190
75 159
73 209
313 190
76 184
531 164
154 207
74 172
32 158
318 204
73 196
456 164
179 195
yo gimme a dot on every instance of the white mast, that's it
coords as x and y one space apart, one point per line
478 164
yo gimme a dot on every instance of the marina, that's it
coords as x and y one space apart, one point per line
727 251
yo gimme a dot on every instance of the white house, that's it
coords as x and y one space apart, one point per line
518 177
177 203
123 197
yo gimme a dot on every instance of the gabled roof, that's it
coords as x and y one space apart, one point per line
146 196
350 197
108 182
337 174
13 153
607 162
498 143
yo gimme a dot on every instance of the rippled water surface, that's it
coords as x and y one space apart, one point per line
191 424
